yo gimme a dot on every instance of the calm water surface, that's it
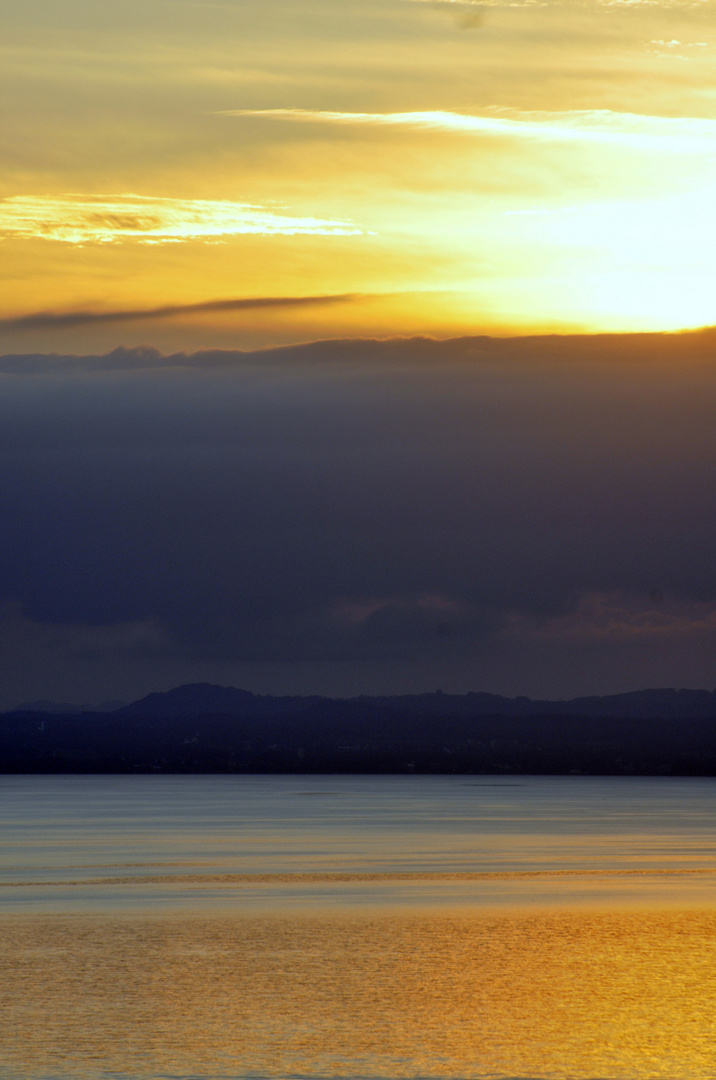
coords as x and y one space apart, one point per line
377 927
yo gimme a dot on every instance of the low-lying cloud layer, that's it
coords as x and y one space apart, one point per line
528 515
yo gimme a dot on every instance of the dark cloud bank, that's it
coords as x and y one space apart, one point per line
527 515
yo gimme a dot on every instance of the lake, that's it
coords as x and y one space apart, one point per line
357 927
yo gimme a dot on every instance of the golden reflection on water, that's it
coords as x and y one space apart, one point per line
578 994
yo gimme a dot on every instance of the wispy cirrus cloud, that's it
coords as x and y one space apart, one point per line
106 219
672 134
57 320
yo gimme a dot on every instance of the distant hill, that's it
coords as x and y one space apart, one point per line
205 728
201 699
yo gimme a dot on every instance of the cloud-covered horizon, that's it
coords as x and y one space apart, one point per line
651 350
520 515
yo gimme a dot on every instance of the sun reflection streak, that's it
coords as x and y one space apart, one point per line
560 996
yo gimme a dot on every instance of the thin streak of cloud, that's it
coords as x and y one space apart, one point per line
672 134
654 3
106 219
615 616
478 5
52 320
560 3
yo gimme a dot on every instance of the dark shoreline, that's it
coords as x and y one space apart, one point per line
366 741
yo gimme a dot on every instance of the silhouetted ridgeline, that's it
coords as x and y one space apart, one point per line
204 728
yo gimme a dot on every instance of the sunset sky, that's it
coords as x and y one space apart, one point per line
278 402
440 167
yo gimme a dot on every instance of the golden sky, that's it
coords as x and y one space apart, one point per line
386 166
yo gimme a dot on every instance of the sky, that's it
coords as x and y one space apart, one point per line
281 400
525 165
